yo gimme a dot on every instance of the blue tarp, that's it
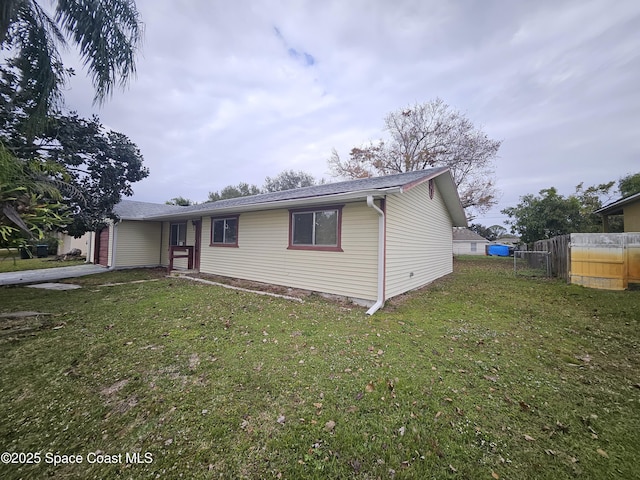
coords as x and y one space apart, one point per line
499 250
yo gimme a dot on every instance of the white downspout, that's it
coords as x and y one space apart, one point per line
91 243
114 244
161 240
380 301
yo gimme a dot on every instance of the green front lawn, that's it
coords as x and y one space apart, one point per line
480 375
10 261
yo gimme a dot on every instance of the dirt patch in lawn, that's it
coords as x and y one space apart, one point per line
111 396
275 290
258 286
14 325
113 389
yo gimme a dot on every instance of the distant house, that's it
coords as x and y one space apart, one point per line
628 207
66 243
368 239
468 242
507 239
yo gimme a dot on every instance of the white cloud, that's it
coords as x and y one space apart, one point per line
236 91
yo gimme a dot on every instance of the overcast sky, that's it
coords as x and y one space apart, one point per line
235 91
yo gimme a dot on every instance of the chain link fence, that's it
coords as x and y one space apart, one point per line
532 263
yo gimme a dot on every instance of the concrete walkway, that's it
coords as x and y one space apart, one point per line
49 274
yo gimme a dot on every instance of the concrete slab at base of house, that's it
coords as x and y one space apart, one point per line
54 286
49 274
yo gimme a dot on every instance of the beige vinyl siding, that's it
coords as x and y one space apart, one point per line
262 254
463 247
418 240
138 244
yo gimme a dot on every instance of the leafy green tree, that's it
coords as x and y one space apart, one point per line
102 166
72 163
490 233
183 202
90 166
106 32
544 216
496 231
285 180
481 230
233 191
629 185
426 135
288 180
549 214
591 199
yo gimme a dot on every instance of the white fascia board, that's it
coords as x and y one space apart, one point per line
451 198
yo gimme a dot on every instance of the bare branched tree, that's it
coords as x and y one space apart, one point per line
426 135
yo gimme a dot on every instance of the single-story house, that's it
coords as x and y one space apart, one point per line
367 239
468 242
628 207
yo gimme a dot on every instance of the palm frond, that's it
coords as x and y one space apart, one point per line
108 33
8 14
12 215
36 37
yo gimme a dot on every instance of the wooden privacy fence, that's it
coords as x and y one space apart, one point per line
558 247
598 260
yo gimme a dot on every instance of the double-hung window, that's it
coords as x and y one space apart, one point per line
224 231
315 229
178 234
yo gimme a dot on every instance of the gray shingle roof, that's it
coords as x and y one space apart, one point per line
372 183
466 235
132 210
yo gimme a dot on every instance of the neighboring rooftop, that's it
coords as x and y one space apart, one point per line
507 239
462 234
615 208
